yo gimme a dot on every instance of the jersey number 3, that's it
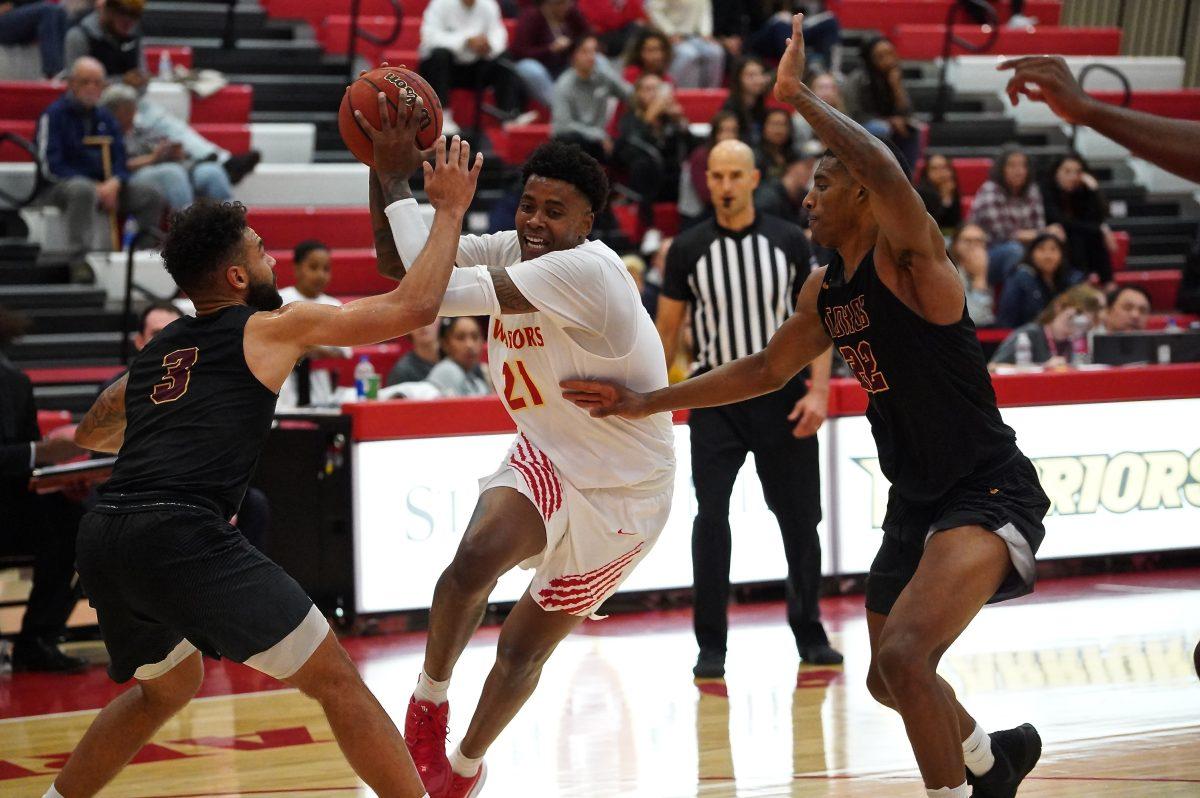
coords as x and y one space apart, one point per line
861 361
178 374
512 391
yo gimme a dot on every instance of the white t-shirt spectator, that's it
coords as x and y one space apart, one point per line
447 24
321 390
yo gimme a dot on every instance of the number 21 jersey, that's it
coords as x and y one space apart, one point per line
931 404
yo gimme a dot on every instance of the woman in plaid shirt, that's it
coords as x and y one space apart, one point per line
1009 208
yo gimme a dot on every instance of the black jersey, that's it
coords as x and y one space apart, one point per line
196 417
931 404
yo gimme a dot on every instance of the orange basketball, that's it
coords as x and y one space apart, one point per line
402 87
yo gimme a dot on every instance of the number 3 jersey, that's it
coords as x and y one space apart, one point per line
931 404
196 418
590 324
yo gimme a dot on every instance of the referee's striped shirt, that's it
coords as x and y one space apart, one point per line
741 285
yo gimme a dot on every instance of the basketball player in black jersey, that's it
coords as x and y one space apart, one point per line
168 575
964 515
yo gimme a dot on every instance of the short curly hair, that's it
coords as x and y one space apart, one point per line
201 239
558 160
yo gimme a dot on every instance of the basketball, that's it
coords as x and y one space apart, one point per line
396 83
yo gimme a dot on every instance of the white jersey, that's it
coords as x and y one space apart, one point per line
590 324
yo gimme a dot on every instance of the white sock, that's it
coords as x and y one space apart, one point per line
52 793
961 791
977 752
431 689
464 765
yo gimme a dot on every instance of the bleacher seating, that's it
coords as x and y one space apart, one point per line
921 42
885 15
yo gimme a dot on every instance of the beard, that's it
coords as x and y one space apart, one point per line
264 296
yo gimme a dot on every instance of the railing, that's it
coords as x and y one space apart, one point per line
956 10
379 41
38 182
127 328
1126 88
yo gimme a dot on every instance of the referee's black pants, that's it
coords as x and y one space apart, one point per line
789 470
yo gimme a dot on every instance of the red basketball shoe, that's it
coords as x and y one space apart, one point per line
465 786
425 729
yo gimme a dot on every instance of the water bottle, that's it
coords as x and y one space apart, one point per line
128 233
366 381
1079 340
1172 325
1024 353
166 71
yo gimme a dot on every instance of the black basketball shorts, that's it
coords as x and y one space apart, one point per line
1007 499
170 578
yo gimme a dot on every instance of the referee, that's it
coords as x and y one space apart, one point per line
740 275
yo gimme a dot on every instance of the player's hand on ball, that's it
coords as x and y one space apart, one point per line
395 142
602 398
450 181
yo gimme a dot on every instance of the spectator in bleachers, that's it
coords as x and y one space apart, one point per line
307 386
159 162
748 88
75 169
765 27
652 144
29 21
42 526
776 149
654 250
636 267
1045 274
1051 332
112 35
826 86
1073 201
968 250
461 42
1008 206
938 188
877 99
542 45
648 52
420 360
699 60
784 196
581 101
1128 309
615 22
695 201
459 372
1189 282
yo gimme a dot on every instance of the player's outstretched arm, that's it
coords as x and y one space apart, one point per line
1169 143
794 345
103 427
414 302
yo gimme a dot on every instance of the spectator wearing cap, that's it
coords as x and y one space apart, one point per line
75 169
308 386
1128 309
112 35
29 21
159 162
459 373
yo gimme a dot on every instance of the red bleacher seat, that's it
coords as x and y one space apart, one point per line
50 420
884 15
1161 284
333 33
26 99
180 55
315 11
1158 321
1181 104
230 105
1122 254
354 272
924 42
515 143
382 357
666 219
235 138
972 172
284 228
699 105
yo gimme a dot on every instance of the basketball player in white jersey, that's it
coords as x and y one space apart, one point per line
580 503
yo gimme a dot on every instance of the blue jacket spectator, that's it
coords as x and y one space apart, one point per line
1044 275
29 21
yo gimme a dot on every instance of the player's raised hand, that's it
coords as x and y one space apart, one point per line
450 181
789 75
1048 79
395 141
602 398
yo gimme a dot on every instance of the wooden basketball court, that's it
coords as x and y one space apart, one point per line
1103 667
